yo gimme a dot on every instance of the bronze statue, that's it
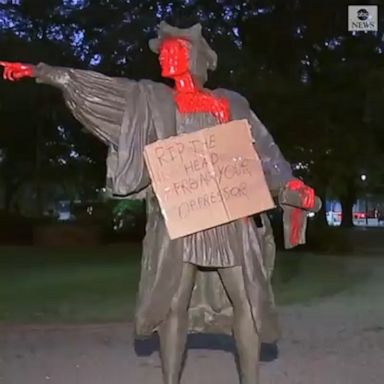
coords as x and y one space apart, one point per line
217 280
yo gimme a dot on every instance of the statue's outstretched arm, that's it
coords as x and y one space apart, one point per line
116 110
16 71
96 100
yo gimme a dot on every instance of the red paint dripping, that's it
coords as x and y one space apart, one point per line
296 223
189 97
308 202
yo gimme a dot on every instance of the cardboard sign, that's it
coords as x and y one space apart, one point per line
207 178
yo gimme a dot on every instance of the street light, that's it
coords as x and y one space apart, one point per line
364 179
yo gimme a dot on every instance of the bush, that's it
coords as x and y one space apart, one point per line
15 229
328 240
119 221
67 234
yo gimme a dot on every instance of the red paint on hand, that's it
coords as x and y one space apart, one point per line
16 71
308 202
307 194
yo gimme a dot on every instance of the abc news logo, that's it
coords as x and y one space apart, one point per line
363 18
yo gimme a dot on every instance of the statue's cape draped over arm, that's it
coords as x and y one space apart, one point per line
277 170
278 173
116 111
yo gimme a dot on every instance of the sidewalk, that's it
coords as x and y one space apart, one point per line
337 340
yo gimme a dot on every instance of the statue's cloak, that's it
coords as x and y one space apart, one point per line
127 115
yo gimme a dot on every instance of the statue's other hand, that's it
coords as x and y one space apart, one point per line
307 193
16 71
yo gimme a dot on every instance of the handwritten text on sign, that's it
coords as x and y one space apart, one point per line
207 178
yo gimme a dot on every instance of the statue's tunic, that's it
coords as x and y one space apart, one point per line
127 115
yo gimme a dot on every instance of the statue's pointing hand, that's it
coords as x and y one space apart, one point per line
16 71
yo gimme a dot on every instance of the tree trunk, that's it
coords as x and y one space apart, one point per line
320 219
11 187
8 193
38 171
346 208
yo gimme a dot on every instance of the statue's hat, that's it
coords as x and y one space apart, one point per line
192 35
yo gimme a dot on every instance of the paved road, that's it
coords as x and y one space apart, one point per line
338 340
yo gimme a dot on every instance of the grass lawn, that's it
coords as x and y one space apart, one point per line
303 277
40 285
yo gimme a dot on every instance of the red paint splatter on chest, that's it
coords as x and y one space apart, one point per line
201 102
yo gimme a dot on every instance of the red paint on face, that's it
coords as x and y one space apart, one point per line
174 58
189 96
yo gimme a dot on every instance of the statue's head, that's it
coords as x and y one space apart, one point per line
183 50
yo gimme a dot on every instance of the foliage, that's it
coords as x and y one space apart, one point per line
316 74
328 240
315 85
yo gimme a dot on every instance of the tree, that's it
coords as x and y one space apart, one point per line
39 144
293 57
305 67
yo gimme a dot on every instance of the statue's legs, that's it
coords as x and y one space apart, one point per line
173 332
246 337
